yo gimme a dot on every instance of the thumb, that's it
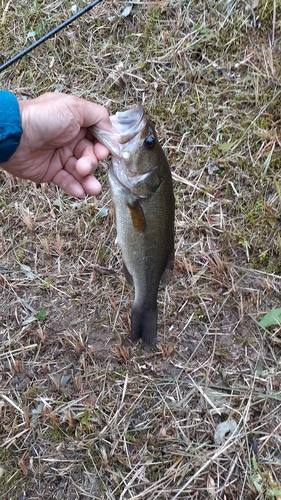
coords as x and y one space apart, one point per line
91 113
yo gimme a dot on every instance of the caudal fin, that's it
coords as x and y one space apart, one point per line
144 325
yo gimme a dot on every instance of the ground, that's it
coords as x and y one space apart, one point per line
84 413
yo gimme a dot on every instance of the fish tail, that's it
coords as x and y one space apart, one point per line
144 325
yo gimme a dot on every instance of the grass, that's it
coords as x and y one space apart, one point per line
85 414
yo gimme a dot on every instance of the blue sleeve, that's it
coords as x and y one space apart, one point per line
10 125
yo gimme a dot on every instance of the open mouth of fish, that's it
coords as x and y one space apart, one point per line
124 138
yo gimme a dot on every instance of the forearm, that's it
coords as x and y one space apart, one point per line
10 126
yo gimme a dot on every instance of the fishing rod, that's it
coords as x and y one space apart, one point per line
48 35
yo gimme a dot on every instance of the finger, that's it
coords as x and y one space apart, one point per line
88 155
71 181
84 147
101 151
90 145
66 181
86 165
91 185
81 170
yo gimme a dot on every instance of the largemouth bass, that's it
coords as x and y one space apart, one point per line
142 193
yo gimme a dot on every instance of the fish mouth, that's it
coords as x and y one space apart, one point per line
126 125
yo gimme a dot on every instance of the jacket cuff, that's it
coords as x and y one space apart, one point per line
10 125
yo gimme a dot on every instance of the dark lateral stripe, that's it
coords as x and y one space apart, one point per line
137 215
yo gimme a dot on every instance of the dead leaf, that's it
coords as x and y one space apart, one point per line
122 352
22 464
211 486
167 350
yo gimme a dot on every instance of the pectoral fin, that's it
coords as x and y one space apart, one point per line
137 216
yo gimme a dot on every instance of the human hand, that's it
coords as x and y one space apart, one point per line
56 145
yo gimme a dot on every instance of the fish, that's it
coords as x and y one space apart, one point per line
142 194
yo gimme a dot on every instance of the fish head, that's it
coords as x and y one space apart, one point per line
135 150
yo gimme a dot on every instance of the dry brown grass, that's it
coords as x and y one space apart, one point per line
83 413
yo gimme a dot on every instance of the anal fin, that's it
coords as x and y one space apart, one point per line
127 274
166 276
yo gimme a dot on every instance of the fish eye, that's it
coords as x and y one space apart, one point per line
149 142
